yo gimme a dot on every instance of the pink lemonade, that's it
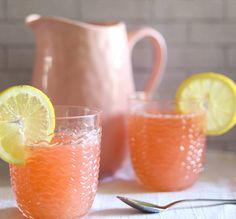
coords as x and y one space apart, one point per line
167 149
57 181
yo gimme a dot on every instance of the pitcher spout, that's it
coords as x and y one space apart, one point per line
32 19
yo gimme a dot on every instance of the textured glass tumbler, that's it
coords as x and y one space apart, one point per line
59 178
167 147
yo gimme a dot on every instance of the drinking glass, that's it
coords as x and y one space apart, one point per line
59 178
167 147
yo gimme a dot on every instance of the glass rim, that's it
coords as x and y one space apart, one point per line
92 112
141 102
143 97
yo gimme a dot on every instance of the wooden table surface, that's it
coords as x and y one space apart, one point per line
217 181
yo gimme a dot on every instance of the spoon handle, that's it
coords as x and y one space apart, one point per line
214 202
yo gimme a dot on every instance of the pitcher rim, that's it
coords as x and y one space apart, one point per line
32 18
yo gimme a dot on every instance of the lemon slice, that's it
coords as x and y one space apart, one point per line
214 92
26 116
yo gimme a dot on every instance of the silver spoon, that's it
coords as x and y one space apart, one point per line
147 207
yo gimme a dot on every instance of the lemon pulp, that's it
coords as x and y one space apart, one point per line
216 93
26 116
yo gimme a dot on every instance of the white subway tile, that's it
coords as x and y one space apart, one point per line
2 58
231 8
122 9
170 9
199 69
192 56
2 9
170 82
15 34
140 79
21 8
20 58
231 57
143 44
17 77
173 33
213 33
232 74
142 58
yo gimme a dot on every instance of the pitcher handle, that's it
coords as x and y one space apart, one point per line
160 49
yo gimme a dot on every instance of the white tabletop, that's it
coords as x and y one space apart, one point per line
217 181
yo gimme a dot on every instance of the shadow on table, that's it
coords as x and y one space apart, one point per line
119 186
11 213
218 173
4 174
115 212
132 212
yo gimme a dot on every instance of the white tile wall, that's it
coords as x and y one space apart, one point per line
111 9
11 34
195 56
2 58
231 57
201 36
231 73
20 58
21 8
138 59
191 9
173 33
213 33
2 9
13 78
140 78
171 80
230 6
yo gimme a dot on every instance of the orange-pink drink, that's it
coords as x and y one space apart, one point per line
59 177
57 181
167 148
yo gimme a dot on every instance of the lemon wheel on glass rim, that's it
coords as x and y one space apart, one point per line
215 92
26 115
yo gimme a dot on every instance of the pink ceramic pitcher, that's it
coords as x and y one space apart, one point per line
90 64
